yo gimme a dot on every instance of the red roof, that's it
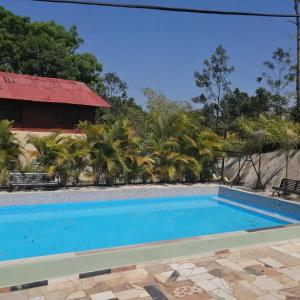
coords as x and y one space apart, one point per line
50 90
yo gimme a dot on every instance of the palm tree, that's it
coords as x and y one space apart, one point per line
75 160
167 142
105 151
10 151
50 155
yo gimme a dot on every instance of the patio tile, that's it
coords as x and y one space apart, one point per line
202 296
221 283
292 247
267 297
120 288
198 270
135 276
158 268
287 260
36 292
271 262
133 293
295 291
294 275
76 295
189 290
242 293
229 264
109 295
38 298
251 288
111 281
163 277
155 293
261 270
223 295
278 295
286 281
206 285
296 268
84 284
209 264
170 285
217 273
266 284
98 287
202 276
247 262
183 266
61 294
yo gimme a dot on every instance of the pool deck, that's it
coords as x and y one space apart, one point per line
262 272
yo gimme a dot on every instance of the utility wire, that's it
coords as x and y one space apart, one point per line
171 9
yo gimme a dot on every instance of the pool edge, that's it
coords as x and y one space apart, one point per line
19 274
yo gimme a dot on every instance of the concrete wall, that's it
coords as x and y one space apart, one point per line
273 168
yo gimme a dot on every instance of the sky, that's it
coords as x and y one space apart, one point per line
162 50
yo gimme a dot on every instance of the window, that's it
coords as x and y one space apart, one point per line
67 116
11 111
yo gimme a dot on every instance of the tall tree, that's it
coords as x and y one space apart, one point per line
279 74
159 102
123 106
45 49
213 80
297 22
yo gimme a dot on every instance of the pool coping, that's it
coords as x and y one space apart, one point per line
38 271
32 272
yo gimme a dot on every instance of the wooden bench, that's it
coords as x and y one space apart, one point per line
31 180
287 186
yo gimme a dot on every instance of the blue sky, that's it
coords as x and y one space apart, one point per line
162 50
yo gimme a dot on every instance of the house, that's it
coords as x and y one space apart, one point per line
44 104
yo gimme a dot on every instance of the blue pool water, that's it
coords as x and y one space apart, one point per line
37 230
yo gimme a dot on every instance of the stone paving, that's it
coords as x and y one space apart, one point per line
260 272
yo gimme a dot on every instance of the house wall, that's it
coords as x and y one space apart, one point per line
38 116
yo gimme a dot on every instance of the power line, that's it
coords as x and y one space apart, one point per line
171 9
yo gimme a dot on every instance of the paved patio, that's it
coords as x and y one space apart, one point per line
260 272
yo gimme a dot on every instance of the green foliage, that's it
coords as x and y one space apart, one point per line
47 153
115 92
10 151
266 130
213 79
181 150
157 102
45 49
58 155
279 74
104 152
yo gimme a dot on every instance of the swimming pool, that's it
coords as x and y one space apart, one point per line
38 230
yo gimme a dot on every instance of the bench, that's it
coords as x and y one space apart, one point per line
287 186
31 180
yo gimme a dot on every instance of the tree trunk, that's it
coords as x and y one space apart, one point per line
296 7
259 184
286 163
223 158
